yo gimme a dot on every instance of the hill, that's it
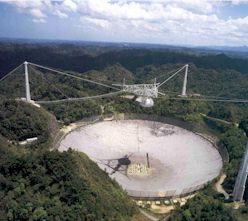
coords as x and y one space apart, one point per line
38 184
81 59
209 75
20 121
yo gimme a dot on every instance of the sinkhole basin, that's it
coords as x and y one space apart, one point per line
148 159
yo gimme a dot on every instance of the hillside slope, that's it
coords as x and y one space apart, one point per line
50 185
20 120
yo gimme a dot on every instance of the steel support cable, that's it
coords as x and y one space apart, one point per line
53 85
169 92
5 76
162 75
201 96
88 77
224 98
209 99
74 76
171 76
79 98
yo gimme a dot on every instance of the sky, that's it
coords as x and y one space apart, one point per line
172 22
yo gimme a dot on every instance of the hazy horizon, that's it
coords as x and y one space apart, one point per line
92 42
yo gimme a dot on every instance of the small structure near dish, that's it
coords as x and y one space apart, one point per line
138 169
28 141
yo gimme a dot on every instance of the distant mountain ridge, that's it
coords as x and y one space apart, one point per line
83 58
223 48
226 48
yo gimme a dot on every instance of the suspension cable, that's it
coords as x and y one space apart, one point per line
200 96
171 76
162 75
5 76
204 98
80 98
209 99
74 76
53 85
224 98
87 76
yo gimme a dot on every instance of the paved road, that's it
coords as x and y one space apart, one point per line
216 119
149 216
219 187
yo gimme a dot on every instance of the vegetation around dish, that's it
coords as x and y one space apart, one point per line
38 184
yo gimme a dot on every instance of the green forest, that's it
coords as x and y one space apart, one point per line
39 184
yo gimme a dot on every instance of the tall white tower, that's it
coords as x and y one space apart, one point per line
28 96
185 80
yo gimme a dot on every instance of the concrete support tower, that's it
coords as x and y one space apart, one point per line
239 188
185 80
28 96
